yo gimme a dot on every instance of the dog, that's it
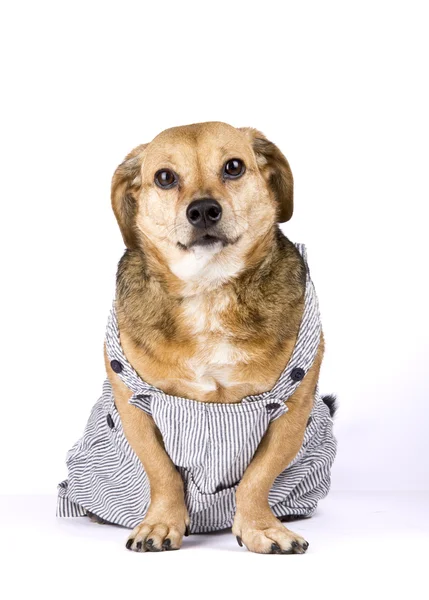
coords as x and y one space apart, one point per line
212 353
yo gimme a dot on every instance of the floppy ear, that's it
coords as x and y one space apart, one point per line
275 170
126 183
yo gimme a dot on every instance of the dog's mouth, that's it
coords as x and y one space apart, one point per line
207 240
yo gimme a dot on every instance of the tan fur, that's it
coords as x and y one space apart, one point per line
254 522
212 324
167 515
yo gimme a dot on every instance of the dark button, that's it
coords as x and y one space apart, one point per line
309 421
116 366
110 421
272 406
297 374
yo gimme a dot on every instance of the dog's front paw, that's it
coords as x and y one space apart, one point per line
162 529
267 536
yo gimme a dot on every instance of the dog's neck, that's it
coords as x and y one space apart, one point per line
205 269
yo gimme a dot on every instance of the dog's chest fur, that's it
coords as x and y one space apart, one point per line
219 341
216 354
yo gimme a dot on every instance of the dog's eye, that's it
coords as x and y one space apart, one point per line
165 179
234 168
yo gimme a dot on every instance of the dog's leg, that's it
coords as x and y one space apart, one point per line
255 524
167 518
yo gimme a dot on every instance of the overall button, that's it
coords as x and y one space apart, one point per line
297 374
110 421
309 421
116 366
272 406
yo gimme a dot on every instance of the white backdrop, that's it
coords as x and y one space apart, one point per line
341 87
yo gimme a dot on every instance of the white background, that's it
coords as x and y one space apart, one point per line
341 87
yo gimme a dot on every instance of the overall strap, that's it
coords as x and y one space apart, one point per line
307 342
141 389
303 251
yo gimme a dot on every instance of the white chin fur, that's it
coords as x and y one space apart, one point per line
195 260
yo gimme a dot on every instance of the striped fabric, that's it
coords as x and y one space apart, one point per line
210 444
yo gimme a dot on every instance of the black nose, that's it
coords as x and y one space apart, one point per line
204 213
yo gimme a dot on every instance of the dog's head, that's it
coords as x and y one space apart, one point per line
200 189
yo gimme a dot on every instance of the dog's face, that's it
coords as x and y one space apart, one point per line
198 189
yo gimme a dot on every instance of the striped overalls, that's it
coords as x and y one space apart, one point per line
210 444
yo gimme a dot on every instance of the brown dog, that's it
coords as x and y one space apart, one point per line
210 296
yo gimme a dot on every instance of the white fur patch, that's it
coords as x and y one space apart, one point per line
205 268
202 380
215 366
194 261
223 354
202 313
205 384
195 313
